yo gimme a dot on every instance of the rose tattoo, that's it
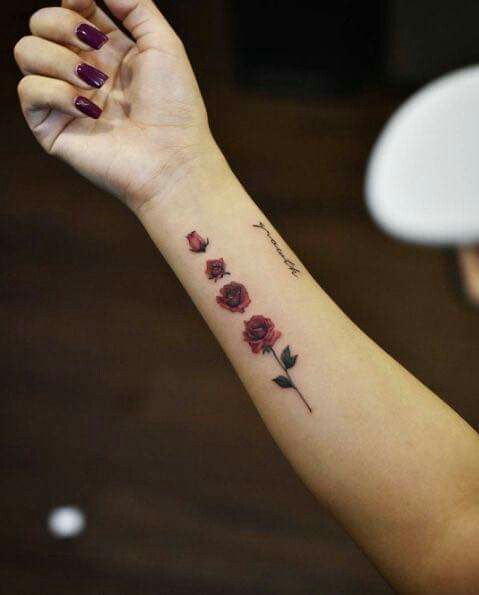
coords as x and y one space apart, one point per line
233 297
261 334
259 331
215 269
196 242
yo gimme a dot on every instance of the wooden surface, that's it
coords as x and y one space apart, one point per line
115 396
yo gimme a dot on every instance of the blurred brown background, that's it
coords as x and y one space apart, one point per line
116 398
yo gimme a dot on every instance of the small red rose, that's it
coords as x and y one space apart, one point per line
260 333
234 297
196 242
215 269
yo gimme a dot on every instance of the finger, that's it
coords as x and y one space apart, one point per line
92 12
67 28
35 55
146 24
39 95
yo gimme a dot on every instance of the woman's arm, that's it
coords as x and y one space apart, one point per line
392 462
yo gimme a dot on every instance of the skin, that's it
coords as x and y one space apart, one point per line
391 461
468 257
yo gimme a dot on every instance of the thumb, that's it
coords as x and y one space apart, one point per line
147 25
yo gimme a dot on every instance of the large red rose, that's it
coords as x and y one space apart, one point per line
196 242
260 333
234 297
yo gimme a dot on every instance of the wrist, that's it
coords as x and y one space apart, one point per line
186 175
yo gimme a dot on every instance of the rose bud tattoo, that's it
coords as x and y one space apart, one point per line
233 297
215 269
261 334
196 242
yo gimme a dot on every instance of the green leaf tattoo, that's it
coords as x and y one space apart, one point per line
283 382
288 359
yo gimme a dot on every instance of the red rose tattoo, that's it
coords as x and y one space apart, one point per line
215 269
261 334
196 242
234 297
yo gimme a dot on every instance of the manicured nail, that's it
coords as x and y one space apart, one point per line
87 107
91 75
91 36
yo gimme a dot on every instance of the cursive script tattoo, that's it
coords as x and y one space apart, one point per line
289 263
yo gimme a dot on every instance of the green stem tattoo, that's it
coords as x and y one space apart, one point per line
288 381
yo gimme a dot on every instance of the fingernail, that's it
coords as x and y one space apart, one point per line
91 75
87 107
91 36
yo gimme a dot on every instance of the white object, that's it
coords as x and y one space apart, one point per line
66 522
422 181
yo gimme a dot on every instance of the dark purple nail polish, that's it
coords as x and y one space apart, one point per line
87 107
91 36
91 75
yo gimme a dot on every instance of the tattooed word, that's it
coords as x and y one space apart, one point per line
196 242
216 269
289 263
261 334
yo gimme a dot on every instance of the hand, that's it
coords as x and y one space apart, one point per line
136 122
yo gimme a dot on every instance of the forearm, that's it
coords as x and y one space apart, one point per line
391 461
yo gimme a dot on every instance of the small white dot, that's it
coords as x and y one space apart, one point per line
66 522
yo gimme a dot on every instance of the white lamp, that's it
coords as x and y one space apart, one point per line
422 180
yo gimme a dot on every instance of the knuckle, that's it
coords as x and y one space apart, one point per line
24 87
21 47
37 17
44 16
